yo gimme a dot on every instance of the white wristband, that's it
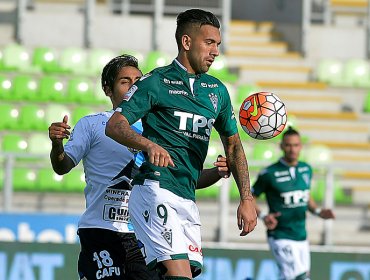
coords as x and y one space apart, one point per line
317 211
262 215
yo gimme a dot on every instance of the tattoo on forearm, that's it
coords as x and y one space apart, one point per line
239 168
121 127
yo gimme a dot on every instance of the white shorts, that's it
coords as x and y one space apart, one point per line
292 257
167 225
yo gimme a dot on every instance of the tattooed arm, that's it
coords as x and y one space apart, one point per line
246 213
120 130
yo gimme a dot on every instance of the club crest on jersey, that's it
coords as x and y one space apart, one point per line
167 235
130 93
214 99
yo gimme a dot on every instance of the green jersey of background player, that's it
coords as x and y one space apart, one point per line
286 184
179 106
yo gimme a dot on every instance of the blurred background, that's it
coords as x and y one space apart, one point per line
314 54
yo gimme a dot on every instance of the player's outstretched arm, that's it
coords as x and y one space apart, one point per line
246 213
210 176
120 130
61 162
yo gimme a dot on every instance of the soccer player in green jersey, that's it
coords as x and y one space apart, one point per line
286 184
179 105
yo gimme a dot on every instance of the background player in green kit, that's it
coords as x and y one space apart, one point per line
179 106
287 187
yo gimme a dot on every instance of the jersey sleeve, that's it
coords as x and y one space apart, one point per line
225 123
140 98
261 183
78 144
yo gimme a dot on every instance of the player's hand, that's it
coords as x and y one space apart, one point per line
222 167
327 214
247 215
159 156
271 221
59 130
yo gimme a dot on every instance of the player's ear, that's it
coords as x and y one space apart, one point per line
186 42
107 91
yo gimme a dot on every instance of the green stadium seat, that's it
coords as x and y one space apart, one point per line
74 181
1 60
220 70
39 144
319 154
9 116
13 142
80 90
24 179
6 87
46 59
243 91
73 60
49 181
52 89
97 59
367 103
99 96
155 59
357 73
318 189
211 192
56 113
80 112
25 88
330 71
33 117
263 151
16 57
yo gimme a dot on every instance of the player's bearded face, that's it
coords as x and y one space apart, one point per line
291 147
204 48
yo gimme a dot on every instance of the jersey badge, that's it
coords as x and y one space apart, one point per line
214 99
130 93
167 235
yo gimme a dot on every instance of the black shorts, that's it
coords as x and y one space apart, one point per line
107 254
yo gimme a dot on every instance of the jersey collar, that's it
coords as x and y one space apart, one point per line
184 71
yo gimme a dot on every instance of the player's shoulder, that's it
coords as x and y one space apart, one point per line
211 82
95 117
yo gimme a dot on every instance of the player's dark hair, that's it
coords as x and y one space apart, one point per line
290 131
111 70
193 18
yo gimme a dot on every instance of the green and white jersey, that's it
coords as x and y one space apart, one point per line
287 190
178 111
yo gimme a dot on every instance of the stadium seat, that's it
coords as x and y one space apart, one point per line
56 113
243 91
74 181
24 179
73 60
9 116
263 151
330 71
97 59
80 90
319 188
80 112
367 103
13 142
1 60
6 87
357 73
49 181
39 143
155 59
46 59
32 117
16 57
52 89
318 154
219 69
208 193
25 88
